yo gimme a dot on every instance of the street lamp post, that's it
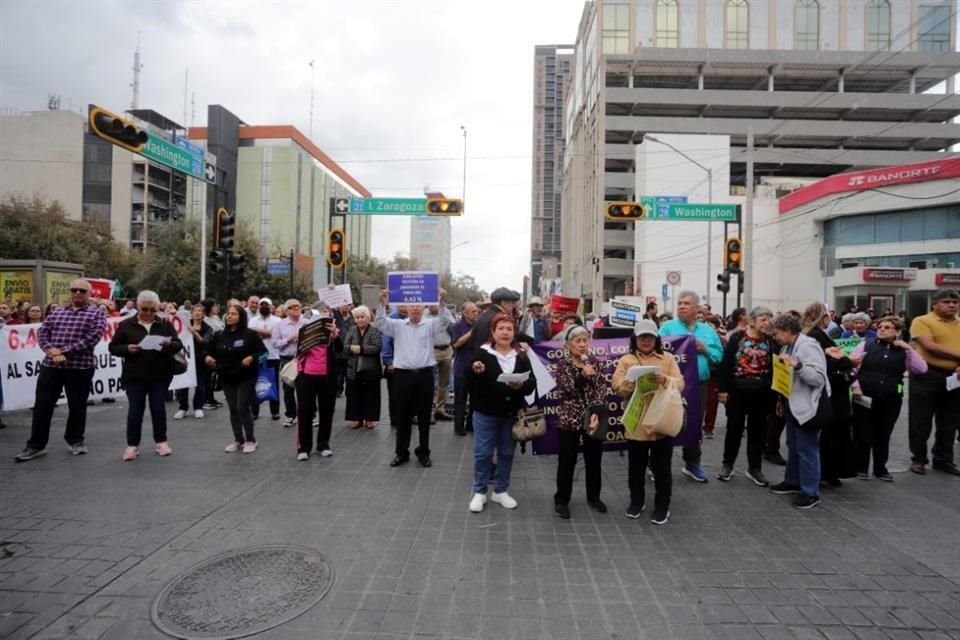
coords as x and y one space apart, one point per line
463 193
709 172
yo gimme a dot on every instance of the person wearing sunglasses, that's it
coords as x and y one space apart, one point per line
147 371
68 337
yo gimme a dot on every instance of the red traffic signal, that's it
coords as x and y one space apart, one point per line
336 251
444 207
117 130
625 211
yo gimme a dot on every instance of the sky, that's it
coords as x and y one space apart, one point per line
393 83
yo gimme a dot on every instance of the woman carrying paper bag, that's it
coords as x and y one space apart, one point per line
645 445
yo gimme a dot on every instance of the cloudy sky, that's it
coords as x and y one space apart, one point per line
393 82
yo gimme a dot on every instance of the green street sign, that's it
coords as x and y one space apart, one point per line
170 155
389 206
697 212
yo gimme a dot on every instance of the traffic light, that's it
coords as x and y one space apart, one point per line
444 207
216 262
733 255
117 130
226 228
625 211
723 282
336 251
236 261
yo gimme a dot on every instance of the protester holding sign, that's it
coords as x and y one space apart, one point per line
413 362
318 345
234 353
495 406
147 371
807 411
743 380
646 447
582 392
68 338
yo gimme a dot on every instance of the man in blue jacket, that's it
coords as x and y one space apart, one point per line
709 353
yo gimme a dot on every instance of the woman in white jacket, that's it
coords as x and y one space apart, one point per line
807 410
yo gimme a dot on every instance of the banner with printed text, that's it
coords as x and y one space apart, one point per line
20 358
16 286
683 349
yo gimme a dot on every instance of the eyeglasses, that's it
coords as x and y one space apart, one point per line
293 306
79 290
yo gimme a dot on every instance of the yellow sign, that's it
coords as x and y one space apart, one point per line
58 286
16 286
782 377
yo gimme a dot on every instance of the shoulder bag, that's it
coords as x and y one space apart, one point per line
531 423
178 359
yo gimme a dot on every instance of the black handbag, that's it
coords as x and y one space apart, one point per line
821 420
178 358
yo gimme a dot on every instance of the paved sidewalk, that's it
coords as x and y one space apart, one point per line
88 542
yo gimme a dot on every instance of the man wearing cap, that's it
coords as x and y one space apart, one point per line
533 324
263 324
937 335
502 300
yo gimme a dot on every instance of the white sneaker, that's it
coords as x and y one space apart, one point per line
233 447
198 414
287 423
179 414
249 447
504 500
477 502
302 456
326 453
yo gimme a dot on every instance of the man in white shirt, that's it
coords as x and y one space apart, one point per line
264 323
284 340
413 362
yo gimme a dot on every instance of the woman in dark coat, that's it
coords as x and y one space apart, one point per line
362 346
837 453
146 372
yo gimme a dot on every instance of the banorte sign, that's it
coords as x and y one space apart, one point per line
874 274
947 279
873 179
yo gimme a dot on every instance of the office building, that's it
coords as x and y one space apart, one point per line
551 73
823 85
430 241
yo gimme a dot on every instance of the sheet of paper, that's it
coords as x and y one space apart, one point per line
545 382
153 343
953 382
637 371
339 296
863 401
513 377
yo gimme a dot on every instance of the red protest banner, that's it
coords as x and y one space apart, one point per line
564 304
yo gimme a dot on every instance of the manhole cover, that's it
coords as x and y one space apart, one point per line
242 592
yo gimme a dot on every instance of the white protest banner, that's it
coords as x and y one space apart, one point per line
20 358
338 296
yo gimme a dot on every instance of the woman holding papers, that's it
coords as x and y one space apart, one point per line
643 370
146 342
499 379
744 379
583 395
878 394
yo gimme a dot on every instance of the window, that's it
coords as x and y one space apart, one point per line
878 25
933 28
668 24
737 17
807 25
616 28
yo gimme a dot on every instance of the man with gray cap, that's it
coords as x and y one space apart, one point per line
533 324
503 301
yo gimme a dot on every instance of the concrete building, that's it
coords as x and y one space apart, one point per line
551 73
51 154
824 87
284 185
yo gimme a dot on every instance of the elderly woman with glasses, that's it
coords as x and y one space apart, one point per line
582 390
147 371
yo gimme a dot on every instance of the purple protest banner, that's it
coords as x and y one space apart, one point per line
683 348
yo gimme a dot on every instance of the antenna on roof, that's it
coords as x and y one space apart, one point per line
134 104
311 101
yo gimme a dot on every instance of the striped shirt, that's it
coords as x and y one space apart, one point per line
75 332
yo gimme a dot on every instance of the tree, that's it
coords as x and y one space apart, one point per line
36 229
462 288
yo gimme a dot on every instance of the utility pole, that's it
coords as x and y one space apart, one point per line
292 275
464 191
748 259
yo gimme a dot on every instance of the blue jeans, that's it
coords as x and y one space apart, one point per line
803 457
137 396
489 433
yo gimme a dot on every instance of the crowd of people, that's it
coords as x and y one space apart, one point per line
839 413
